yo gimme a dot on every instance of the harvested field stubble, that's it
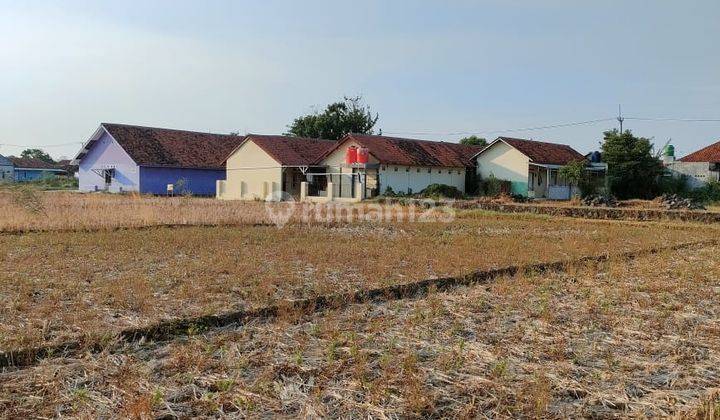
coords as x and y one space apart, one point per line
631 339
61 287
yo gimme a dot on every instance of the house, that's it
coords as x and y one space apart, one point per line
30 169
6 170
119 158
532 167
262 166
699 167
318 170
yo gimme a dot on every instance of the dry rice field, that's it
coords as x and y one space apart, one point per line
626 338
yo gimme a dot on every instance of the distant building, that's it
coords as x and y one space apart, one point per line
6 170
29 169
699 167
120 158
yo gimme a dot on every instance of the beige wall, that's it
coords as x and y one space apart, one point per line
505 162
251 174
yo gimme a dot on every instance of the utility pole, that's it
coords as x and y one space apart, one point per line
620 118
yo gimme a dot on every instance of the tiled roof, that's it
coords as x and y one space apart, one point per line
413 152
292 151
707 154
149 146
544 152
29 163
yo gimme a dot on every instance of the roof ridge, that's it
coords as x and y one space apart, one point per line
535 141
171 129
288 137
410 139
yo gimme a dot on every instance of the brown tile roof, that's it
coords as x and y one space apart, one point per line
29 163
292 151
707 154
413 152
149 146
544 152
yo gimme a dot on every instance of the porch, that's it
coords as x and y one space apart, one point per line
347 183
545 181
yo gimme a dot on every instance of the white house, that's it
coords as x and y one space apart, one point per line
532 167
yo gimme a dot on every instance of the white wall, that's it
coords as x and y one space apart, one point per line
415 179
106 151
505 162
698 173
251 174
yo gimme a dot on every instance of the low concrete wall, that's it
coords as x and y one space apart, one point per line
596 212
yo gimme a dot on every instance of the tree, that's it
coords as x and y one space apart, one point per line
576 174
473 141
632 168
338 119
36 154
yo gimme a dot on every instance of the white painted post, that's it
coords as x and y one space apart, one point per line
329 191
547 184
358 189
303 190
219 188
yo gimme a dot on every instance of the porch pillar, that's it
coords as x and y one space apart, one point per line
329 191
303 190
547 184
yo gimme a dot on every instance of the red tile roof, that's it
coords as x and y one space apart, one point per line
544 152
707 154
292 151
29 163
413 152
150 146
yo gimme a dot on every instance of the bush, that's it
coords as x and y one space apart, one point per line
441 191
709 193
493 187
668 185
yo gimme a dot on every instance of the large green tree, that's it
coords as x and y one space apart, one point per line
632 168
474 141
338 119
37 154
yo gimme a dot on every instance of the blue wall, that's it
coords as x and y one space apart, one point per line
25 175
195 181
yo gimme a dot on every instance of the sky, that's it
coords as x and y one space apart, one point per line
432 69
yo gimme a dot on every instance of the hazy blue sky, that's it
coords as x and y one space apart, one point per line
425 66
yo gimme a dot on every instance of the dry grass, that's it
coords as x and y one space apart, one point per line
630 339
60 286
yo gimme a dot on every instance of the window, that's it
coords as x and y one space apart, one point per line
418 170
429 170
407 169
396 169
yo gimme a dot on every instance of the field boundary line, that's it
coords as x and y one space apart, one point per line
599 213
20 232
165 330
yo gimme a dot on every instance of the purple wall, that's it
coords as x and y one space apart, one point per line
154 180
106 151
